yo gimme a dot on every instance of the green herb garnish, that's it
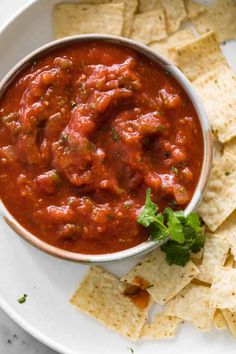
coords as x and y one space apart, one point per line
22 299
110 217
131 350
174 170
184 234
63 138
227 173
114 134
168 153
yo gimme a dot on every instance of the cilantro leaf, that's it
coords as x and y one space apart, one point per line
184 234
175 226
114 134
148 213
158 233
194 221
176 253
198 243
22 299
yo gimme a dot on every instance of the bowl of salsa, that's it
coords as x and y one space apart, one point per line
87 125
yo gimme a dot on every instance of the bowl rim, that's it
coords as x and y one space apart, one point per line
146 246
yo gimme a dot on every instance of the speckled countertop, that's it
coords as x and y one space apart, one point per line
13 339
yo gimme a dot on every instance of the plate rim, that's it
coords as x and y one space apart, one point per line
24 324
32 330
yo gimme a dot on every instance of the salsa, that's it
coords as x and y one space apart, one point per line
84 131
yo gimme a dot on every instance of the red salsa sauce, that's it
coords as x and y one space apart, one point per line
84 131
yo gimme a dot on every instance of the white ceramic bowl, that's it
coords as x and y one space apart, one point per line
207 140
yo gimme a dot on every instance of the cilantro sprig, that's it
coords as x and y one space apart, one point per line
183 233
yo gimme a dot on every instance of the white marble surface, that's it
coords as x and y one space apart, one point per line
13 339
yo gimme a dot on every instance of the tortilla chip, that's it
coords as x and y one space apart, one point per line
228 231
199 56
175 14
230 147
217 150
101 295
197 256
192 305
214 253
222 113
162 327
129 9
193 9
224 121
229 263
150 5
173 18
149 26
230 318
94 2
223 289
181 37
72 19
228 227
220 18
219 200
165 281
203 63
199 282
219 320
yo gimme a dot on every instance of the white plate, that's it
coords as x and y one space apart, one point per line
49 282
